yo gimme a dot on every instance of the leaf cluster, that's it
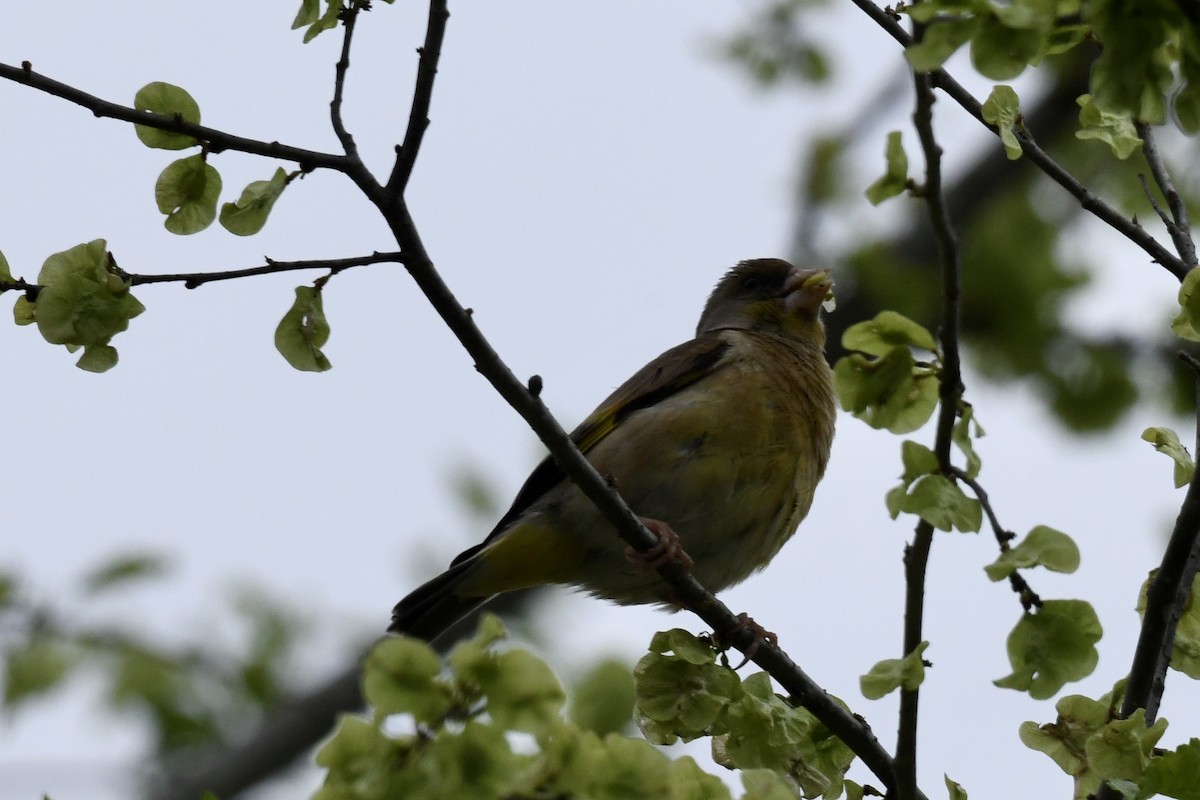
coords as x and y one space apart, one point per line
446 730
683 693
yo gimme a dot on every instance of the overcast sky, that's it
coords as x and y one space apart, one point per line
591 170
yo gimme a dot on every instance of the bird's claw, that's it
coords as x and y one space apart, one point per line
760 634
668 548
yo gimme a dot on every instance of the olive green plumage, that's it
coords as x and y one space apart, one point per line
723 438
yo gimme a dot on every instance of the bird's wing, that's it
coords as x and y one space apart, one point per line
676 369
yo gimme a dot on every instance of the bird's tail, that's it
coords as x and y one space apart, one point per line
433 607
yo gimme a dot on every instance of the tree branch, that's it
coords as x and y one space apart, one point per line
1129 228
191 280
215 140
916 556
349 16
1179 225
418 117
1165 598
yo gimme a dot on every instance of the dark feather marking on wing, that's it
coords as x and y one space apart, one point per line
674 370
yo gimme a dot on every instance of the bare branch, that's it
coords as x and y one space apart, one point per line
1129 228
418 117
350 16
1179 224
193 279
215 140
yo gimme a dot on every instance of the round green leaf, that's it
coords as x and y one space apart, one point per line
187 192
1051 647
1042 547
169 101
400 676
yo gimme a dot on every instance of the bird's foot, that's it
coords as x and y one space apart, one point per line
760 634
668 548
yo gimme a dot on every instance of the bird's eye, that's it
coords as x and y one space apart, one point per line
752 283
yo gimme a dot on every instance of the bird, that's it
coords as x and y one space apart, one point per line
717 444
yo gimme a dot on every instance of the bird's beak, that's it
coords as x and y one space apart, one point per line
807 289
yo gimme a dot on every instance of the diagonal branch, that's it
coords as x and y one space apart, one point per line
418 117
216 140
1179 224
1129 228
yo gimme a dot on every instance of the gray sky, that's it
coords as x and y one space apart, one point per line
589 174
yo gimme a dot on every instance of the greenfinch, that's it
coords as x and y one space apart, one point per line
718 444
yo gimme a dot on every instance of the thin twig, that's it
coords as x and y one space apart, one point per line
916 555
1028 597
1129 228
418 117
349 16
1179 224
215 140
193 279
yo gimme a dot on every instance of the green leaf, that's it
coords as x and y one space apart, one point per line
762 730
1000 51
1041 547
886 392
303 331
877 337
248 215
317 24
5 273
680 690
954 790
1132 72
120 571
1166 441
474 764
37 667
1115 130
1185 652
918 460
400 676
97 358
1186 324
765 784
895 673
942 38
308 13
1121 749
1175 774
187 192
166 101
1002 109
961 437
522 692
1051 647
602 701
24 312
895 179
940 502
683 644
82 304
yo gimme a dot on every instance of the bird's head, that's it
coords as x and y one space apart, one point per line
770 295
